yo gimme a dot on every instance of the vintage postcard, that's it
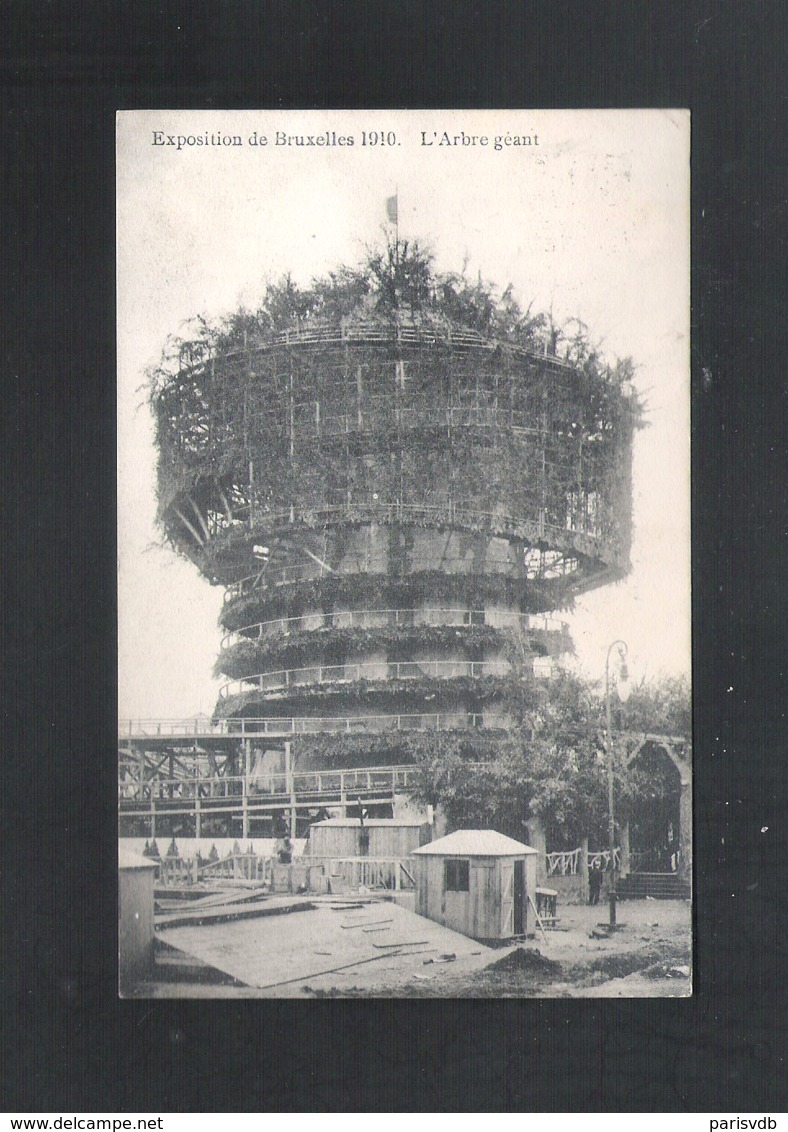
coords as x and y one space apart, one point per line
404 596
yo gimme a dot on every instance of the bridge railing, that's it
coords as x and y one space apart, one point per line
282 727
174 728
349 781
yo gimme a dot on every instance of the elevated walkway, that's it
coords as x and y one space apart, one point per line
167 732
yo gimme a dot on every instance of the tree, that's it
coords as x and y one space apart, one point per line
552 763
663 707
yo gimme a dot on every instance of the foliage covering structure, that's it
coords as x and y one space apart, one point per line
392 440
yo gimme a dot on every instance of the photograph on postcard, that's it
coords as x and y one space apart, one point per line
403 554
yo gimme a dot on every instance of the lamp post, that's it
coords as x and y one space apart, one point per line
623 690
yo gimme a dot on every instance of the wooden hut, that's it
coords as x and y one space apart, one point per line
387 837
478 882
135 918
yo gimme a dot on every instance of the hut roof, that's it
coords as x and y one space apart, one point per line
127 860
476 843
354 823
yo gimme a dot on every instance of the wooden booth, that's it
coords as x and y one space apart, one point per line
385 837
135 918
478 882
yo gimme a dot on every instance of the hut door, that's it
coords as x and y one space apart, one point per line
507 899
519 897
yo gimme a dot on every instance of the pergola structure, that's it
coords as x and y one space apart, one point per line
679 750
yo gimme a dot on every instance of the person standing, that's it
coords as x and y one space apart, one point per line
594 883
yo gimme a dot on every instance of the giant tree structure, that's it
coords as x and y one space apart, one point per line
399 478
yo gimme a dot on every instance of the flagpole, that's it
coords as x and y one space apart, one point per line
396 223
392 213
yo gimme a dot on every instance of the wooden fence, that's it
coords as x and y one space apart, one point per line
390 873
174 871
567 862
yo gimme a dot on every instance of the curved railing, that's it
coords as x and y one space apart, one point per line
315 332
309 422
350 673
282 726
382 414
380 618
452 514
318 333
468 518
286 575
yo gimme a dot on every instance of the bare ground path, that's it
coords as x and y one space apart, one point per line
318 954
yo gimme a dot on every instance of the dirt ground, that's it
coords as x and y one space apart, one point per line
648 956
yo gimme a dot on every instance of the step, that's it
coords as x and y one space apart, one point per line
628 883
659 886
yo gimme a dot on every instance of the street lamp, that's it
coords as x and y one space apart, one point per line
623 689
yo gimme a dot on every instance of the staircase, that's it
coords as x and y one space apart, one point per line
659 886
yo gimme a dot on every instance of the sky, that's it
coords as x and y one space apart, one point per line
588 216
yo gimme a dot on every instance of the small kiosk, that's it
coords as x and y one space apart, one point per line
478 882
386 837
135 918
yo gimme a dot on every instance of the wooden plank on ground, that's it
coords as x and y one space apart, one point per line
225 913
402 943
367 923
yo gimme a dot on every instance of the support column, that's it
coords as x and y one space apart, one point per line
683 764
582 869
152 789
290 789
685 827
625 849
245 785
534 831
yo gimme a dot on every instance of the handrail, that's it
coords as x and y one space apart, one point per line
349 673
439 511
267 579
321 332
439 514
281 727
344 779
365 619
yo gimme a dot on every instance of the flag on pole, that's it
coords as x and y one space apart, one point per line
391 209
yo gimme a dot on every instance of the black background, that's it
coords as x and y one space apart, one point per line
71 1046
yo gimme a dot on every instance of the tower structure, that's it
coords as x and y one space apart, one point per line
399 484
